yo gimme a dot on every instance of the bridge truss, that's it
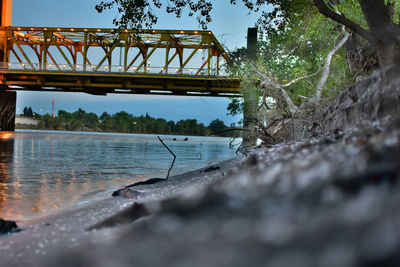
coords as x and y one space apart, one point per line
88 60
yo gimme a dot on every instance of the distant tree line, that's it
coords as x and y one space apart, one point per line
123 122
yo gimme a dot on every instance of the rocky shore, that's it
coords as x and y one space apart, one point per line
331 200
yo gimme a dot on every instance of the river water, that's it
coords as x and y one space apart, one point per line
45 171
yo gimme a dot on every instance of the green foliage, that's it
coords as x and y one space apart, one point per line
297 50
124 122
106 122
27 112
216 126
235 106
138 13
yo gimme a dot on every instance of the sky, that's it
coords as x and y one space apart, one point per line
229 25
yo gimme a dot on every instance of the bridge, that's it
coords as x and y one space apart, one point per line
86 60
102 61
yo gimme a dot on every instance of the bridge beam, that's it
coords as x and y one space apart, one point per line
8 100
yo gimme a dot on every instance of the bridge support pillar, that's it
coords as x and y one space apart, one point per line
250 98
8 100
5 20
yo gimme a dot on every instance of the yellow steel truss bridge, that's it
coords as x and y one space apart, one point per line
101 61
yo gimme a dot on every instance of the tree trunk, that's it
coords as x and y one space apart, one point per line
361 58
385 33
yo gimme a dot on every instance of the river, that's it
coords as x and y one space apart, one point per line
45 171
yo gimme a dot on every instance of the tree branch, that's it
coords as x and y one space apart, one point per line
302 96
326 11
268 83
264 102
301 78
325 74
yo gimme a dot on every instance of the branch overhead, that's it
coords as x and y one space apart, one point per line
326 11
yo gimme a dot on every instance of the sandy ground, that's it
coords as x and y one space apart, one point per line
66 230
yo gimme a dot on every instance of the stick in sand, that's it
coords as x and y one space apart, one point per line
151 180
173 161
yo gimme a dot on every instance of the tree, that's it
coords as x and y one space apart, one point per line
78 118
296 54
217 126
27 112
122 122
382 29
91 121
106 123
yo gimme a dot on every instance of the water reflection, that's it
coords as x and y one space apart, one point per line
6 163
42 172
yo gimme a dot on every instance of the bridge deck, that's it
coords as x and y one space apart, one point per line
102 83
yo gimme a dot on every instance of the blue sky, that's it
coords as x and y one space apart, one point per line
229 25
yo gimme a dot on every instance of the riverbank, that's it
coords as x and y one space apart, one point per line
26 123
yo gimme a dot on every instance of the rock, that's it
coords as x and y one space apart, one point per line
374 101
7 226
128 193
129 215
211 168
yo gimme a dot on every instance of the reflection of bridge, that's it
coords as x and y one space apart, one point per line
88 60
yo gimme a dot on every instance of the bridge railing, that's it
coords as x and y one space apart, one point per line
16 66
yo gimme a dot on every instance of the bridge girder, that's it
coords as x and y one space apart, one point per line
121 83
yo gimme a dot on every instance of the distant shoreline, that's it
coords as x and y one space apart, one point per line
25 123
121 122
21 126
179 137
